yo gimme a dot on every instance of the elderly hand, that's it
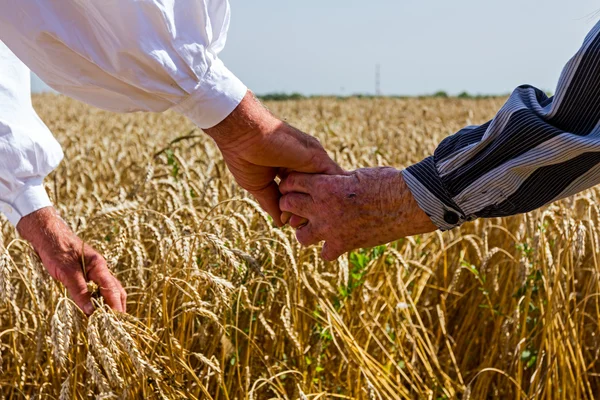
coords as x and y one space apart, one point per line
64 254
257 147
364 208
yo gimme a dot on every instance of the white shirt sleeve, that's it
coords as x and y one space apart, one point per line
129 55
28 151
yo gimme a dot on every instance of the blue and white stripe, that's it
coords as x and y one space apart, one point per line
535 151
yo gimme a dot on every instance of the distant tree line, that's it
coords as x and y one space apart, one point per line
440 94
281 96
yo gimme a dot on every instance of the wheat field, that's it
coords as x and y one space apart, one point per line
222 305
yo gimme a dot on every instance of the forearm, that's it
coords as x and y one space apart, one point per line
411 219
42 227
250 118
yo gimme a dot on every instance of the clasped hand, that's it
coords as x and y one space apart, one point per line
363 208
347 210
321 201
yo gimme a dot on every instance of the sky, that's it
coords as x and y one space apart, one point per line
333 46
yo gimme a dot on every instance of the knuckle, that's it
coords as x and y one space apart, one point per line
284 202
59 275
95 258
96 263
290 180
80 291
291 201
68 259
314 142
106 280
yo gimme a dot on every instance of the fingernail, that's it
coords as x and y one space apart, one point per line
88 309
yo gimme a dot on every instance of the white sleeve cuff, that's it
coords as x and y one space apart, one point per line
219 93
32 198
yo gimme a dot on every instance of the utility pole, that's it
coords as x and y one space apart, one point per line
378 80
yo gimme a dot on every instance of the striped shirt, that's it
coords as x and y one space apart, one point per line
535 151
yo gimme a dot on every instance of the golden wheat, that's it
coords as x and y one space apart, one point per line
223 305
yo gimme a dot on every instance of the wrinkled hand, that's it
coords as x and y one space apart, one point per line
257 147
62 253
364 208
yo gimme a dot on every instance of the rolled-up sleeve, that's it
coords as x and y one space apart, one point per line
129 55
535 151
28 151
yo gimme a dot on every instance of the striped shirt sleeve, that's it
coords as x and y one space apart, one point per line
535 151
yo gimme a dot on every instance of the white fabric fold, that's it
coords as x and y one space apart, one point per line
119 55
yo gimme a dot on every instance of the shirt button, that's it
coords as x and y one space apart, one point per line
451 217
8 209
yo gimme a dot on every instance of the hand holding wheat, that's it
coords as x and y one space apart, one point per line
69 260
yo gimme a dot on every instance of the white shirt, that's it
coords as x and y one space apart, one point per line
119 55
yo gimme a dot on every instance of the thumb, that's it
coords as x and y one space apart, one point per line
301 152
330 167
322 164
268 198
109 286
78 290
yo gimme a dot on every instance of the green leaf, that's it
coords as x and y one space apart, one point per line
172 162
378 251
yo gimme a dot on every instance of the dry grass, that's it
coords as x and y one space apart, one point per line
223 306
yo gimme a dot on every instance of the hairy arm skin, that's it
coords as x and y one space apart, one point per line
362 208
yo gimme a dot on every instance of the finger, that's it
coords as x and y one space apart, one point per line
110 287
297 221
321 163
307 235
78 290
123 296
330 167
285 217
312 156
297 203
297 182
331 252
268 198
